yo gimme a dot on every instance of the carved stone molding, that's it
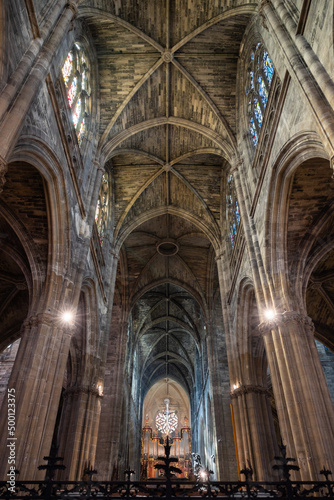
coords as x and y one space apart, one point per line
40 319
99 166
282 319
261 6
79 390
249 389
73 7
114 253
237 163
50 320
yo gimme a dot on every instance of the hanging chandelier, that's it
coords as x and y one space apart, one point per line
166 420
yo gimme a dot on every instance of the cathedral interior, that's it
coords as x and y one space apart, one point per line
167 234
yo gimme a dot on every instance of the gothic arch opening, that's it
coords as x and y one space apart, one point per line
166 412
166 281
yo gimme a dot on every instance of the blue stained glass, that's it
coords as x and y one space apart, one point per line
232 210
260 75
258 112
237 213
233 233
253 132
263 91
268 67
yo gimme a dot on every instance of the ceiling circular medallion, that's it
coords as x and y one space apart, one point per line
167 248
167 56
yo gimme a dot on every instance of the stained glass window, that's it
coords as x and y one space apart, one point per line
263 90
232 210
166 421
252 79
258 112
253 132
76 113
76 78
268 67
260 75
101 208
72 92
67 68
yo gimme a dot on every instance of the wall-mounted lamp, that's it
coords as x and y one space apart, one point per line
269 313
67 317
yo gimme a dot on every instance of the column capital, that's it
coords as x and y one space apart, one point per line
50 320
77 390
114 254
261 6
236 164
98 165
249 389
72 5
40 319
219 254
282 319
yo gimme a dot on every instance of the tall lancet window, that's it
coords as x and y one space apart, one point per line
101 208
76 78
232 210
260 75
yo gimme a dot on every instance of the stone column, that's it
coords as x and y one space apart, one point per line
17 78
259 276
13 121
316 98
112 424
113 358
319 73
254 429
94 183
303 401
37 379
78 430
225 459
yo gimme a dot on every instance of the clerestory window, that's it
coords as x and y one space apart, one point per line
232 209
101 208
76 78
260 75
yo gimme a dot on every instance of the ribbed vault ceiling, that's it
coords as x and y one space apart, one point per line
167 92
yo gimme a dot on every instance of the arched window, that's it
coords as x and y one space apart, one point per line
76 78
260 75
101 208
232 209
